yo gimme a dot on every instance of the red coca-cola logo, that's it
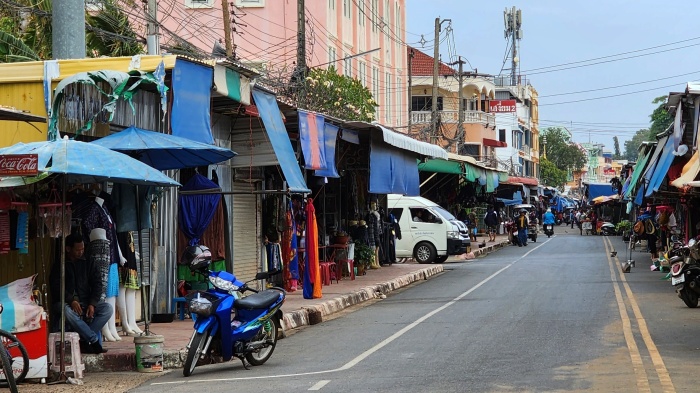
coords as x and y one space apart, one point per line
19 165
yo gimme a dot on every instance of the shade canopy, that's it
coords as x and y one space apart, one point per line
89 163
164 151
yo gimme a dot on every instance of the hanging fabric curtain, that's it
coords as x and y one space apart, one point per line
197 211
312 274
311 136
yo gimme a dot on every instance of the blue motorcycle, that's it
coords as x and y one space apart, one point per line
227 325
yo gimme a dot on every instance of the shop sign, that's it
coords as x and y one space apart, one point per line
19 164
501 106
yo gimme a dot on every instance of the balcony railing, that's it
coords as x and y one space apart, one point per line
470 117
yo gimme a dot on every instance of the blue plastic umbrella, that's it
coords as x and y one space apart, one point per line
164 151
84 162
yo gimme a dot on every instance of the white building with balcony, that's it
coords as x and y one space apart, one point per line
471 134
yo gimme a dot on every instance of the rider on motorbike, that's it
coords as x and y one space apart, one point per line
548 217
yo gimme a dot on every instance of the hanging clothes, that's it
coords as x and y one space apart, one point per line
23 232
124 199
129 276
4 232
312 274
290 259
97 216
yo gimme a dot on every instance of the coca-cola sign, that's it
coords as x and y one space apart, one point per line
19 164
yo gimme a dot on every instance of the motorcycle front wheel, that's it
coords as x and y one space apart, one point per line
268 333
195 352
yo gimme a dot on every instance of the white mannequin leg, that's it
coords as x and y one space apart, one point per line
111 324
131 310
106 333
123 314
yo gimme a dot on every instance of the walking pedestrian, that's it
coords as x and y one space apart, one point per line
521 224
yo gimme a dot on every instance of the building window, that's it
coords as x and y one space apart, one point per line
399 103
361 13
502 135
249 3
373 13
424 103
387 97
199 3
362 73
375 88
332 56
470 149
346 8
348 66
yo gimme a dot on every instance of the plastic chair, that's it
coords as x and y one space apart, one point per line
182 302
325 268
348 262
76 365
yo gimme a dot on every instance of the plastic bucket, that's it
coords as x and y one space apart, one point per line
149 353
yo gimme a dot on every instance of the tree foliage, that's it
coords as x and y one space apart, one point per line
551 175
616 154
660 121
25 32
337 95
561 151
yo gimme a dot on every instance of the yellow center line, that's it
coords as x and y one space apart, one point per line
636 357
656 359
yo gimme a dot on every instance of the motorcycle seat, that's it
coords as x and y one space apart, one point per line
260 300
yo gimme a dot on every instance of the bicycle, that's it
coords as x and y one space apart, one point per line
13 358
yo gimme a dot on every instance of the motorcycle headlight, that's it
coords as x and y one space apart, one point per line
222 284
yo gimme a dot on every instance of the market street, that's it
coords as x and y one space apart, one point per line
556 315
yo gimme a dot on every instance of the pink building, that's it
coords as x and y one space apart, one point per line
337 32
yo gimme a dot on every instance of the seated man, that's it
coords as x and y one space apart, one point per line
86 313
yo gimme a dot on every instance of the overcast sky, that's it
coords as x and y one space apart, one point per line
556 32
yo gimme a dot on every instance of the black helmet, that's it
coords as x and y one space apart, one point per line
196 257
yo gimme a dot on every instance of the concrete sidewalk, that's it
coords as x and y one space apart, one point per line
298 311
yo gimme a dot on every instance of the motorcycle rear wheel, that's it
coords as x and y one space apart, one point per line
195 352
689 297
260 356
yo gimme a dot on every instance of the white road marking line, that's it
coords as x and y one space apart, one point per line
320 384
372 350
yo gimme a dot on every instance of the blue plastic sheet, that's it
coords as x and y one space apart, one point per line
191 114
330 136
197 210
392 170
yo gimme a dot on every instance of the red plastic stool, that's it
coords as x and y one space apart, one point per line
325 268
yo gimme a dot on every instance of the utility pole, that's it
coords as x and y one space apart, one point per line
411 54
152 41
436 68
460 116
68 27
227 28
300 71
459 134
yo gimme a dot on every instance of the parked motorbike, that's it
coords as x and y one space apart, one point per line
227 325
548 229
608 229
685 272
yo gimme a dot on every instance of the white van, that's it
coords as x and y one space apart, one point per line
429 233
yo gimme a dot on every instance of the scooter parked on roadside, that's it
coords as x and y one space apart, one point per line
227 325
685 272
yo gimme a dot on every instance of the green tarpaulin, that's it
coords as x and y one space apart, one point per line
638 169
440 166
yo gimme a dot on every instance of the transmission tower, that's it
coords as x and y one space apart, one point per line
513 20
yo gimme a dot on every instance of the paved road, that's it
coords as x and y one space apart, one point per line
554 316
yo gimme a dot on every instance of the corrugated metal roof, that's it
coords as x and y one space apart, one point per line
33 71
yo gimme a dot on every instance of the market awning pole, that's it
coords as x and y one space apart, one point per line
145 295
62 372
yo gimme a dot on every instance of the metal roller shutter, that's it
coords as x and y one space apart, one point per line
246 232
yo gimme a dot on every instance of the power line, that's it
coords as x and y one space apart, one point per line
609 96
615 55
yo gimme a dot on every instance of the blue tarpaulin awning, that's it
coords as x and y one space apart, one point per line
599 189
517 199
392 170
662 166
274 126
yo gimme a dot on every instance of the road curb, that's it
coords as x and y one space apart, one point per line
291 320
490 248
307 315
